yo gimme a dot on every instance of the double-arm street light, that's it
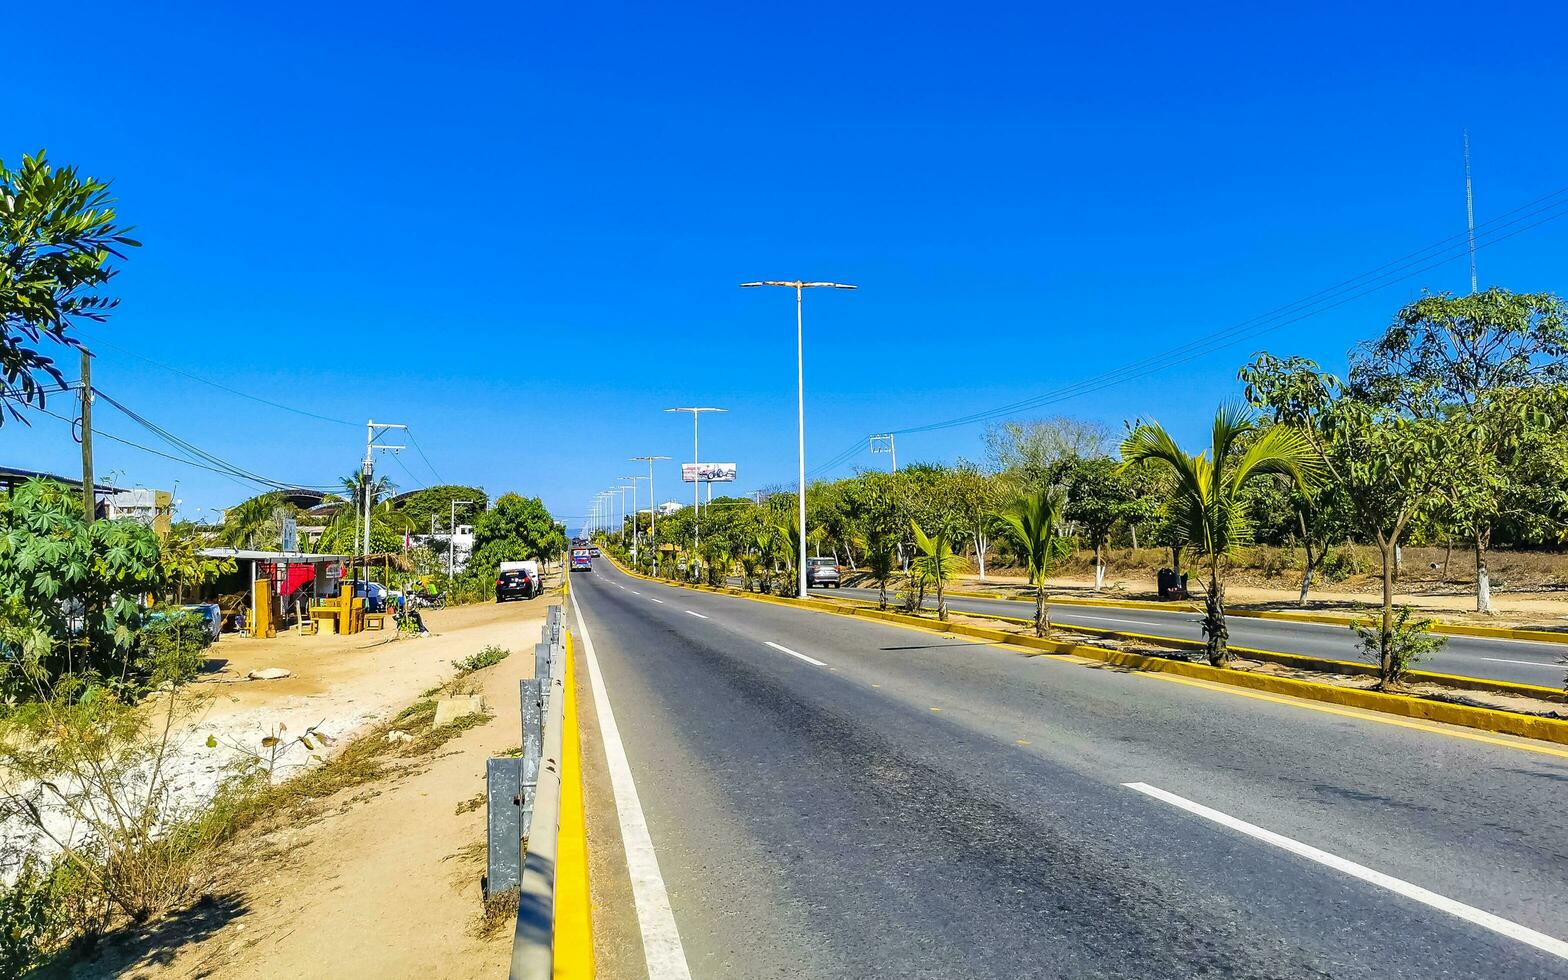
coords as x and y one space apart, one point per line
696 482
800 400
653 508
633 480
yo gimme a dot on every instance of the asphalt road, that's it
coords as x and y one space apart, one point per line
829 797
1509 660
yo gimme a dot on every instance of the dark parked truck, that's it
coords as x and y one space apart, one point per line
517 580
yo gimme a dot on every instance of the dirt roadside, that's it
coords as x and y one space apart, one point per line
383 881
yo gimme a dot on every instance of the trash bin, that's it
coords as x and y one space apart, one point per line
1165 579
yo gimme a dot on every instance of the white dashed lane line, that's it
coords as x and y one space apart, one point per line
1486 920
697 614
813 661
659 601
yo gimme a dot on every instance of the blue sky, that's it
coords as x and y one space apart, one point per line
519 228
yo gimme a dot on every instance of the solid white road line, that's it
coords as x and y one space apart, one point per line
661 940
659 601
810 660
634 592
698 615
1527 663
1485 920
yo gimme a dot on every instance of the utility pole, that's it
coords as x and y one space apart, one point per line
89 505
877 447
451 541
653 510
1470 211
373 431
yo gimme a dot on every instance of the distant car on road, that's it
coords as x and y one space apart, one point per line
821 572
593 552
515 583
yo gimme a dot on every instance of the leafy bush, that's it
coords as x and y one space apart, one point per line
1408 641
1340 564
34 920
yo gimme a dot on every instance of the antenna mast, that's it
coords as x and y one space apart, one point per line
1470 211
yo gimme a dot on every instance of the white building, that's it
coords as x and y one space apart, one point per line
669 507
150 507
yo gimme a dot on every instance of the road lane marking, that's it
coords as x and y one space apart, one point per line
634 592
659 601
1486 920
661 940
697 614
1527 663
813 661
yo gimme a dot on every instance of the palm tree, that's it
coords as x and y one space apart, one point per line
245 521
1207 499
1035 521
937 562
880 559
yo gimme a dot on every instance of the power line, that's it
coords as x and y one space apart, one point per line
223 387
421 451
1342 293
196 455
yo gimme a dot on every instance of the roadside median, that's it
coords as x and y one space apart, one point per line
1541 727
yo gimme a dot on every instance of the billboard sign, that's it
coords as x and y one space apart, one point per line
290 535
708 472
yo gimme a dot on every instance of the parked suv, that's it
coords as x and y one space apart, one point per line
821 572
515 583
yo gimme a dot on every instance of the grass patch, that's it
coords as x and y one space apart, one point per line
498 915
488 657
470 805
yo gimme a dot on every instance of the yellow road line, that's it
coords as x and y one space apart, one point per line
573 914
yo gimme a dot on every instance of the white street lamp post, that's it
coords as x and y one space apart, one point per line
696 484
653 510
800 401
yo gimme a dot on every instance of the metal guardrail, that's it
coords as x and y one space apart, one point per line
524 803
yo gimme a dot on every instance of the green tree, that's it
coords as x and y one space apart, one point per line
57 239
976 496
1386 460
1034 521
937 562
516 528
1209 503
421 506
182 566
1100 495
1038 451
1482 364
77 583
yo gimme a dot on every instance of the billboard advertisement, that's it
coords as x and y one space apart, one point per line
708 472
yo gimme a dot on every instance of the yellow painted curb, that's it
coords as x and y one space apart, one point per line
1325 664
1325 619
1485 719
573 914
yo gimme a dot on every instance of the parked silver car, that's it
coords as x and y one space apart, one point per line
821 572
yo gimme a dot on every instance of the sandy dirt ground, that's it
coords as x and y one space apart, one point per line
385 883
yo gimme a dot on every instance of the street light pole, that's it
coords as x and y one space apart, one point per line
800 400
635 528
696 483
653 510
451 541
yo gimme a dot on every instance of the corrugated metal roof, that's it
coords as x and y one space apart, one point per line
295 557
